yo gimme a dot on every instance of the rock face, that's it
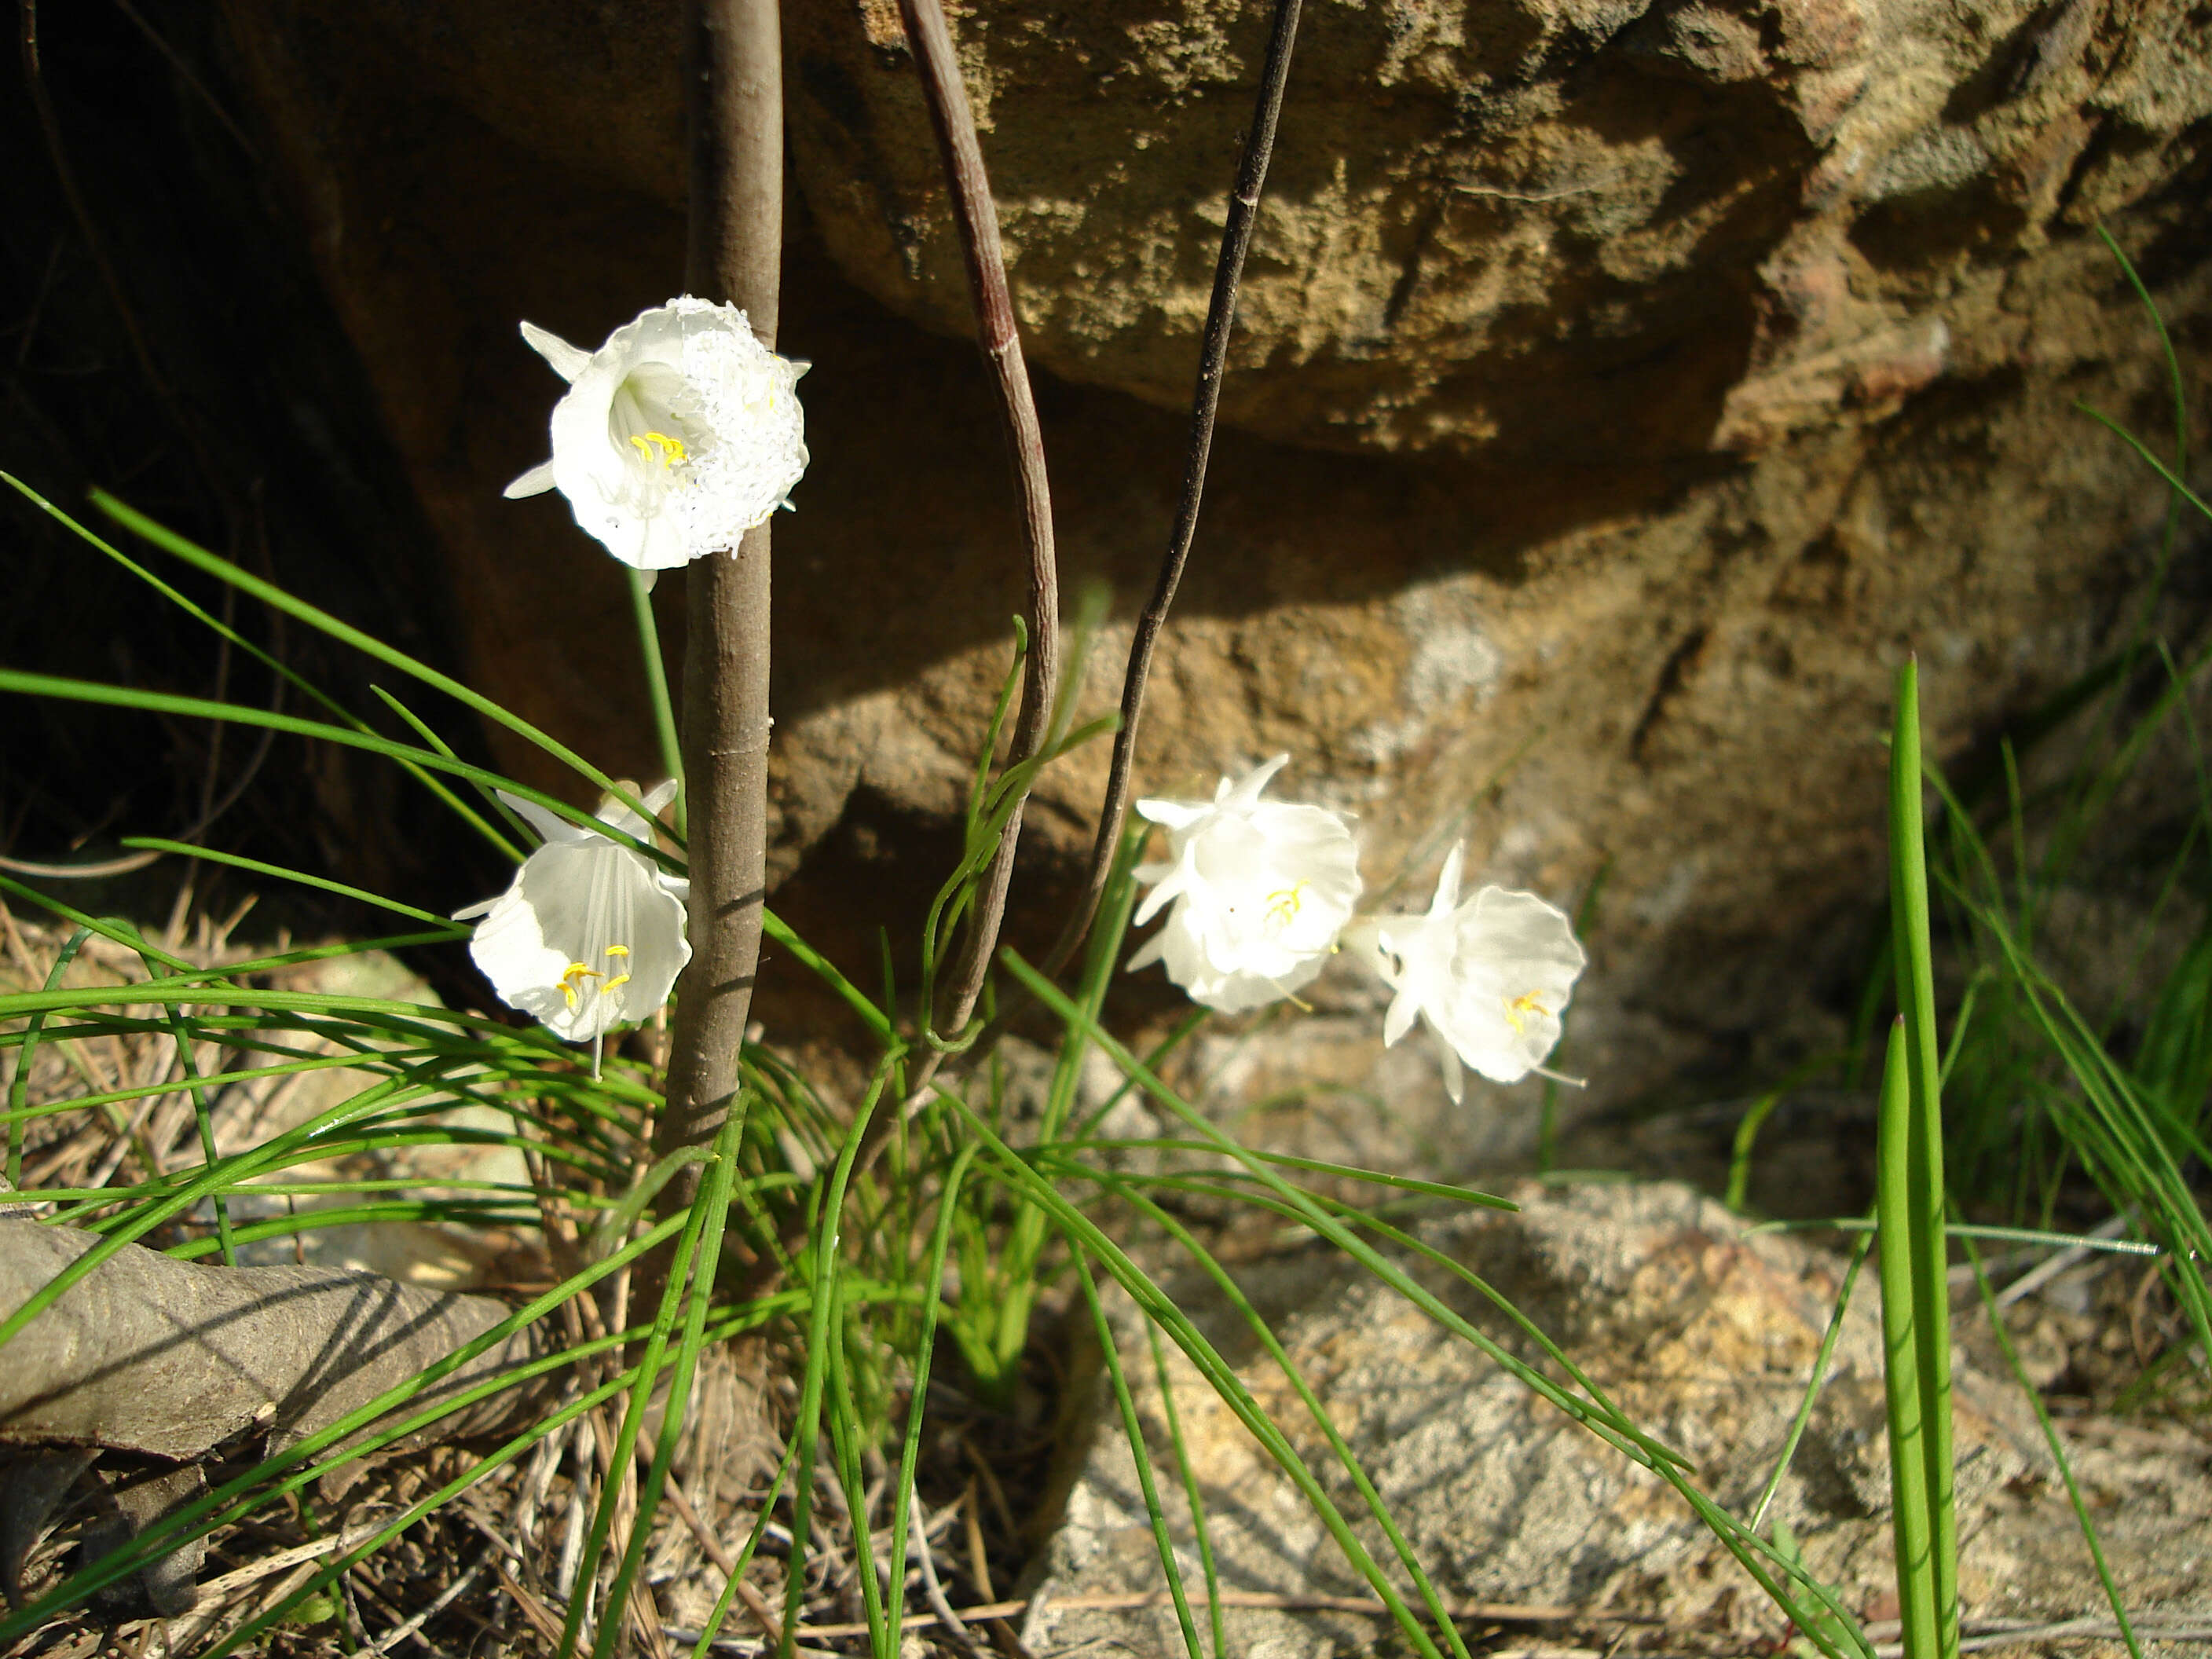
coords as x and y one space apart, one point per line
1622 391
1703 1336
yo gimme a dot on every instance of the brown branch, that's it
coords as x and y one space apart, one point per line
733 77
1214 354
978 219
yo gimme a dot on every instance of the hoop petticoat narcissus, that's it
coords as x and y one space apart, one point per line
1260 890
676 437
1489 977
590 932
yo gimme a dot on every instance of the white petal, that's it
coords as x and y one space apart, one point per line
1173 879
1454 1081
1175 814
567 361
1151 951
660 795
536 481
1245 790
1447 883
551 825
1404 1008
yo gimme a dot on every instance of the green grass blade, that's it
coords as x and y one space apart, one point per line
301 877
1921 1214
459 808
163 702
1911 1527
656 689
1820 1364
825 1260
1191 1495
940 1243
2081 1516
1133 1432
18 1089
714 1203
277 599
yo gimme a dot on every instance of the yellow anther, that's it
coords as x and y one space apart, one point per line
650 444
619 950
1529 1002
576 970
619 979
1285 904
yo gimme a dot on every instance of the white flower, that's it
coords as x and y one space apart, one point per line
591 932
676 437
1260 889
1490 978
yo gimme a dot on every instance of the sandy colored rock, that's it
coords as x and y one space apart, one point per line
1588 526
1702 1334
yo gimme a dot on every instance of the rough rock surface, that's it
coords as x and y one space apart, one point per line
1624 391
1702 1335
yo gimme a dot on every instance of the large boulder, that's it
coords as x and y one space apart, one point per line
1701 1334
1622 391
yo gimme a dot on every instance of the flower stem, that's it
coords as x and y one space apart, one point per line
733 77
977 216
656 686
1214 355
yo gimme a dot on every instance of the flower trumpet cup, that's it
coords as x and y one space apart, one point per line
590 932
1489 977
676 437
1260 891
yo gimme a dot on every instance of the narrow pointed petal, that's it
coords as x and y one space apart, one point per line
1246 790
552 825
1447 882
1404 1008
1174 879
569 361
536 481
1448 1058
1174 814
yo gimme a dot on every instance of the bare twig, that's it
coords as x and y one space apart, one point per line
978 219
1220 323
412 1626
734 75
930 1589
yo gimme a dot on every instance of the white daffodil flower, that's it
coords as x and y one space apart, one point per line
1260 890
1490 978
676 437
591 932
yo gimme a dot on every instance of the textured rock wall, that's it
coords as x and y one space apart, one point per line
1623 390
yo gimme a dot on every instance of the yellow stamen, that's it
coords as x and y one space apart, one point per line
670 450
619 979
1529 1002
619 950
577 971
1284 902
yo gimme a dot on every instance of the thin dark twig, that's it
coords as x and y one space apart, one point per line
978 219
1220 323
733 72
